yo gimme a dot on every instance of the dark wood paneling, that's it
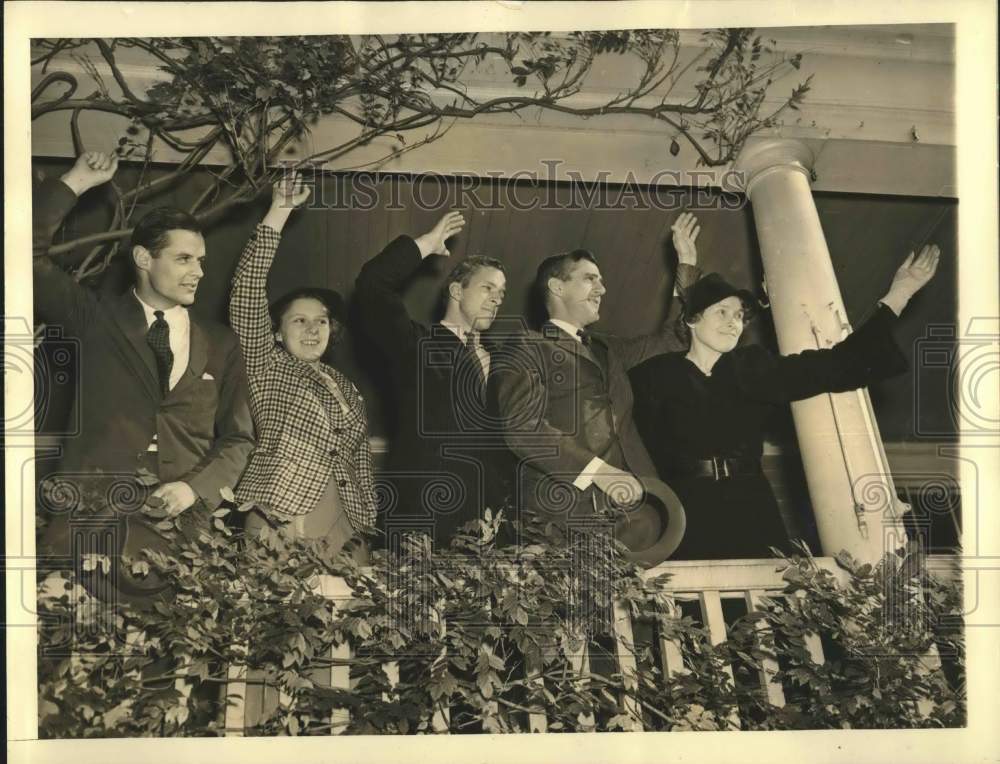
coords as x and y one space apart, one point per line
327 244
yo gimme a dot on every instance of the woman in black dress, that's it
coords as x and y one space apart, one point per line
701 413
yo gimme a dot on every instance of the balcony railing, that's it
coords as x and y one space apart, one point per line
708 588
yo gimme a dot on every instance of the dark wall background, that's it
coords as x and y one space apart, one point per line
327 244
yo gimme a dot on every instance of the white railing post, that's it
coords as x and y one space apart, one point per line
236 689
334 588
625 650
711 609
769 666
671 654
813 643
580 664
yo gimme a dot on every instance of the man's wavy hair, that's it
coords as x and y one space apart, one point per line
466 268
462 274
152 230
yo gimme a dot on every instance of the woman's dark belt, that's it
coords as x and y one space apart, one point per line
717 467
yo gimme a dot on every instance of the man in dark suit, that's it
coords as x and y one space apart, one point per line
567 408
160 389
447 462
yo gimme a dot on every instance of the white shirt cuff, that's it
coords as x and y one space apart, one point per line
586 478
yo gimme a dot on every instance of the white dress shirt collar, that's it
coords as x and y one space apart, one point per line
567 327
481 353
177 314
457 330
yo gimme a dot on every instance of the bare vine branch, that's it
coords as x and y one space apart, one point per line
256 97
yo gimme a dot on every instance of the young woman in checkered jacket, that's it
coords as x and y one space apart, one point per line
312 469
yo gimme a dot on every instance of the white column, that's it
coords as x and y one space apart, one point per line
852 492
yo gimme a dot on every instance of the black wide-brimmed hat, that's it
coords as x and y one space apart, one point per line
653 530
710 289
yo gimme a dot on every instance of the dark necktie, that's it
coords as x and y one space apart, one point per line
472 349
584 337
158 338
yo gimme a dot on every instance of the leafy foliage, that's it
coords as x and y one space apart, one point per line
490 636
256 96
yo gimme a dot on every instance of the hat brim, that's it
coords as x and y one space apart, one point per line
751 306
653 531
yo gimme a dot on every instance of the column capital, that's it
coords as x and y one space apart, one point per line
761 157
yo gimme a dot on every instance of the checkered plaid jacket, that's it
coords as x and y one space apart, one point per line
303 435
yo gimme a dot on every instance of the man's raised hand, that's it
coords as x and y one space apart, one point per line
92 168
433 242
685 231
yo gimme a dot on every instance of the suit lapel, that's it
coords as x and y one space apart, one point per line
553 332
197 355
132 323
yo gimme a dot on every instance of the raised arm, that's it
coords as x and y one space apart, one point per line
248 306
58 297
634 350
380 285
866 355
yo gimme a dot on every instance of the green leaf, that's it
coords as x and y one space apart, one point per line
485 685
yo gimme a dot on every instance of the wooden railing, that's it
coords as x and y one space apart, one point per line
704 584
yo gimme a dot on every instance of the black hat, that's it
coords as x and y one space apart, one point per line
653 530
710 289
335 306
